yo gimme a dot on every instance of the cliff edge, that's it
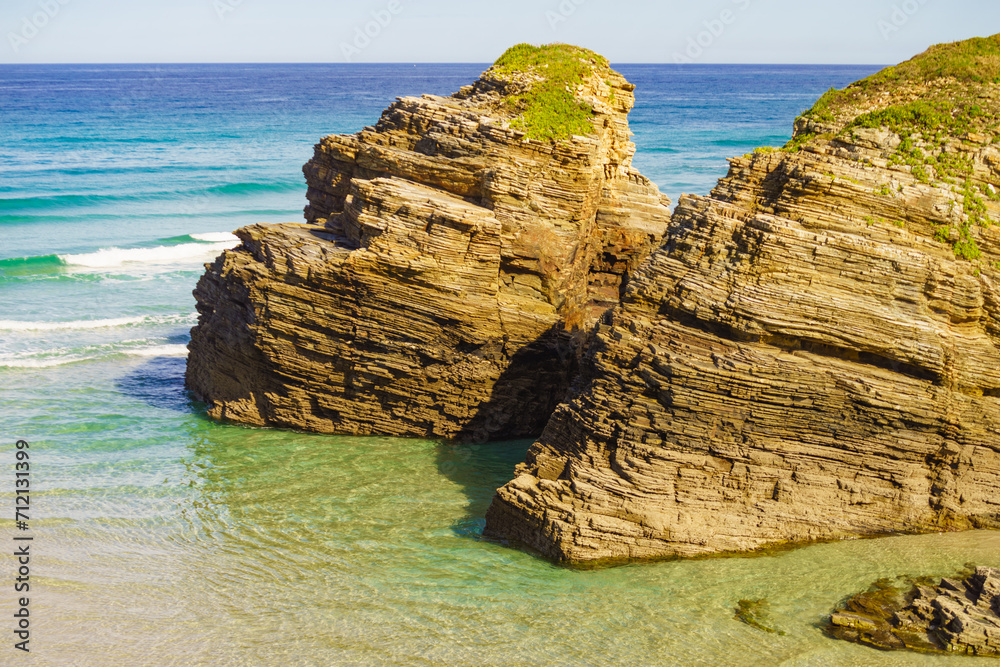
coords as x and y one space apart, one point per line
813 354
453 258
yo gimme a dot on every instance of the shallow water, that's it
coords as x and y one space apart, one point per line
162 538
166 539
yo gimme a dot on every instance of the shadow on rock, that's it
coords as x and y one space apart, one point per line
538 378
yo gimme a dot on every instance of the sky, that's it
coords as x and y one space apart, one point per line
626 31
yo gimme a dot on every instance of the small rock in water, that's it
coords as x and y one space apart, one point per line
756 613
954 616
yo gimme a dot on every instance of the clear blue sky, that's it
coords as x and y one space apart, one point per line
719 31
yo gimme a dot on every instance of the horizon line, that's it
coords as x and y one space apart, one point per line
430 62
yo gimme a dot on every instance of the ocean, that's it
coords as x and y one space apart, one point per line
160 537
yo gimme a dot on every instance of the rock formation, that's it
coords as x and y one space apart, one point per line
453 259
956 616
813 354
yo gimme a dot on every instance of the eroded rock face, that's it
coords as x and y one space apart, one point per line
954 616
446 277
809 356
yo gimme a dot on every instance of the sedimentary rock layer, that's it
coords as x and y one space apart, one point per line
954 616
447 274
813 354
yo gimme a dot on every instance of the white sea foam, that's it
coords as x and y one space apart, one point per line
40 363
216 237
16 325
147 347
159 351
175 254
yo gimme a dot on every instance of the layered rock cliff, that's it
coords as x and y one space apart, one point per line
813 354
453 259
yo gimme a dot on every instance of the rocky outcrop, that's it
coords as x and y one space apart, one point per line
955 616
449 269
813 354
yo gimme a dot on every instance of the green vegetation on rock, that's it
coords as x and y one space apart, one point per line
822 109
939 103
966 66
976 60
549 110
930 118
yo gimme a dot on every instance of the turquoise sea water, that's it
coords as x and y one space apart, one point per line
162 538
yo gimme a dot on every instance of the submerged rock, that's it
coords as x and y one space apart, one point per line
756 614
813 354
955 616
453 259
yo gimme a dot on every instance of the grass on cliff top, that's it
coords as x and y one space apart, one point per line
952 117
549 109
947 92
976 60
972 63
